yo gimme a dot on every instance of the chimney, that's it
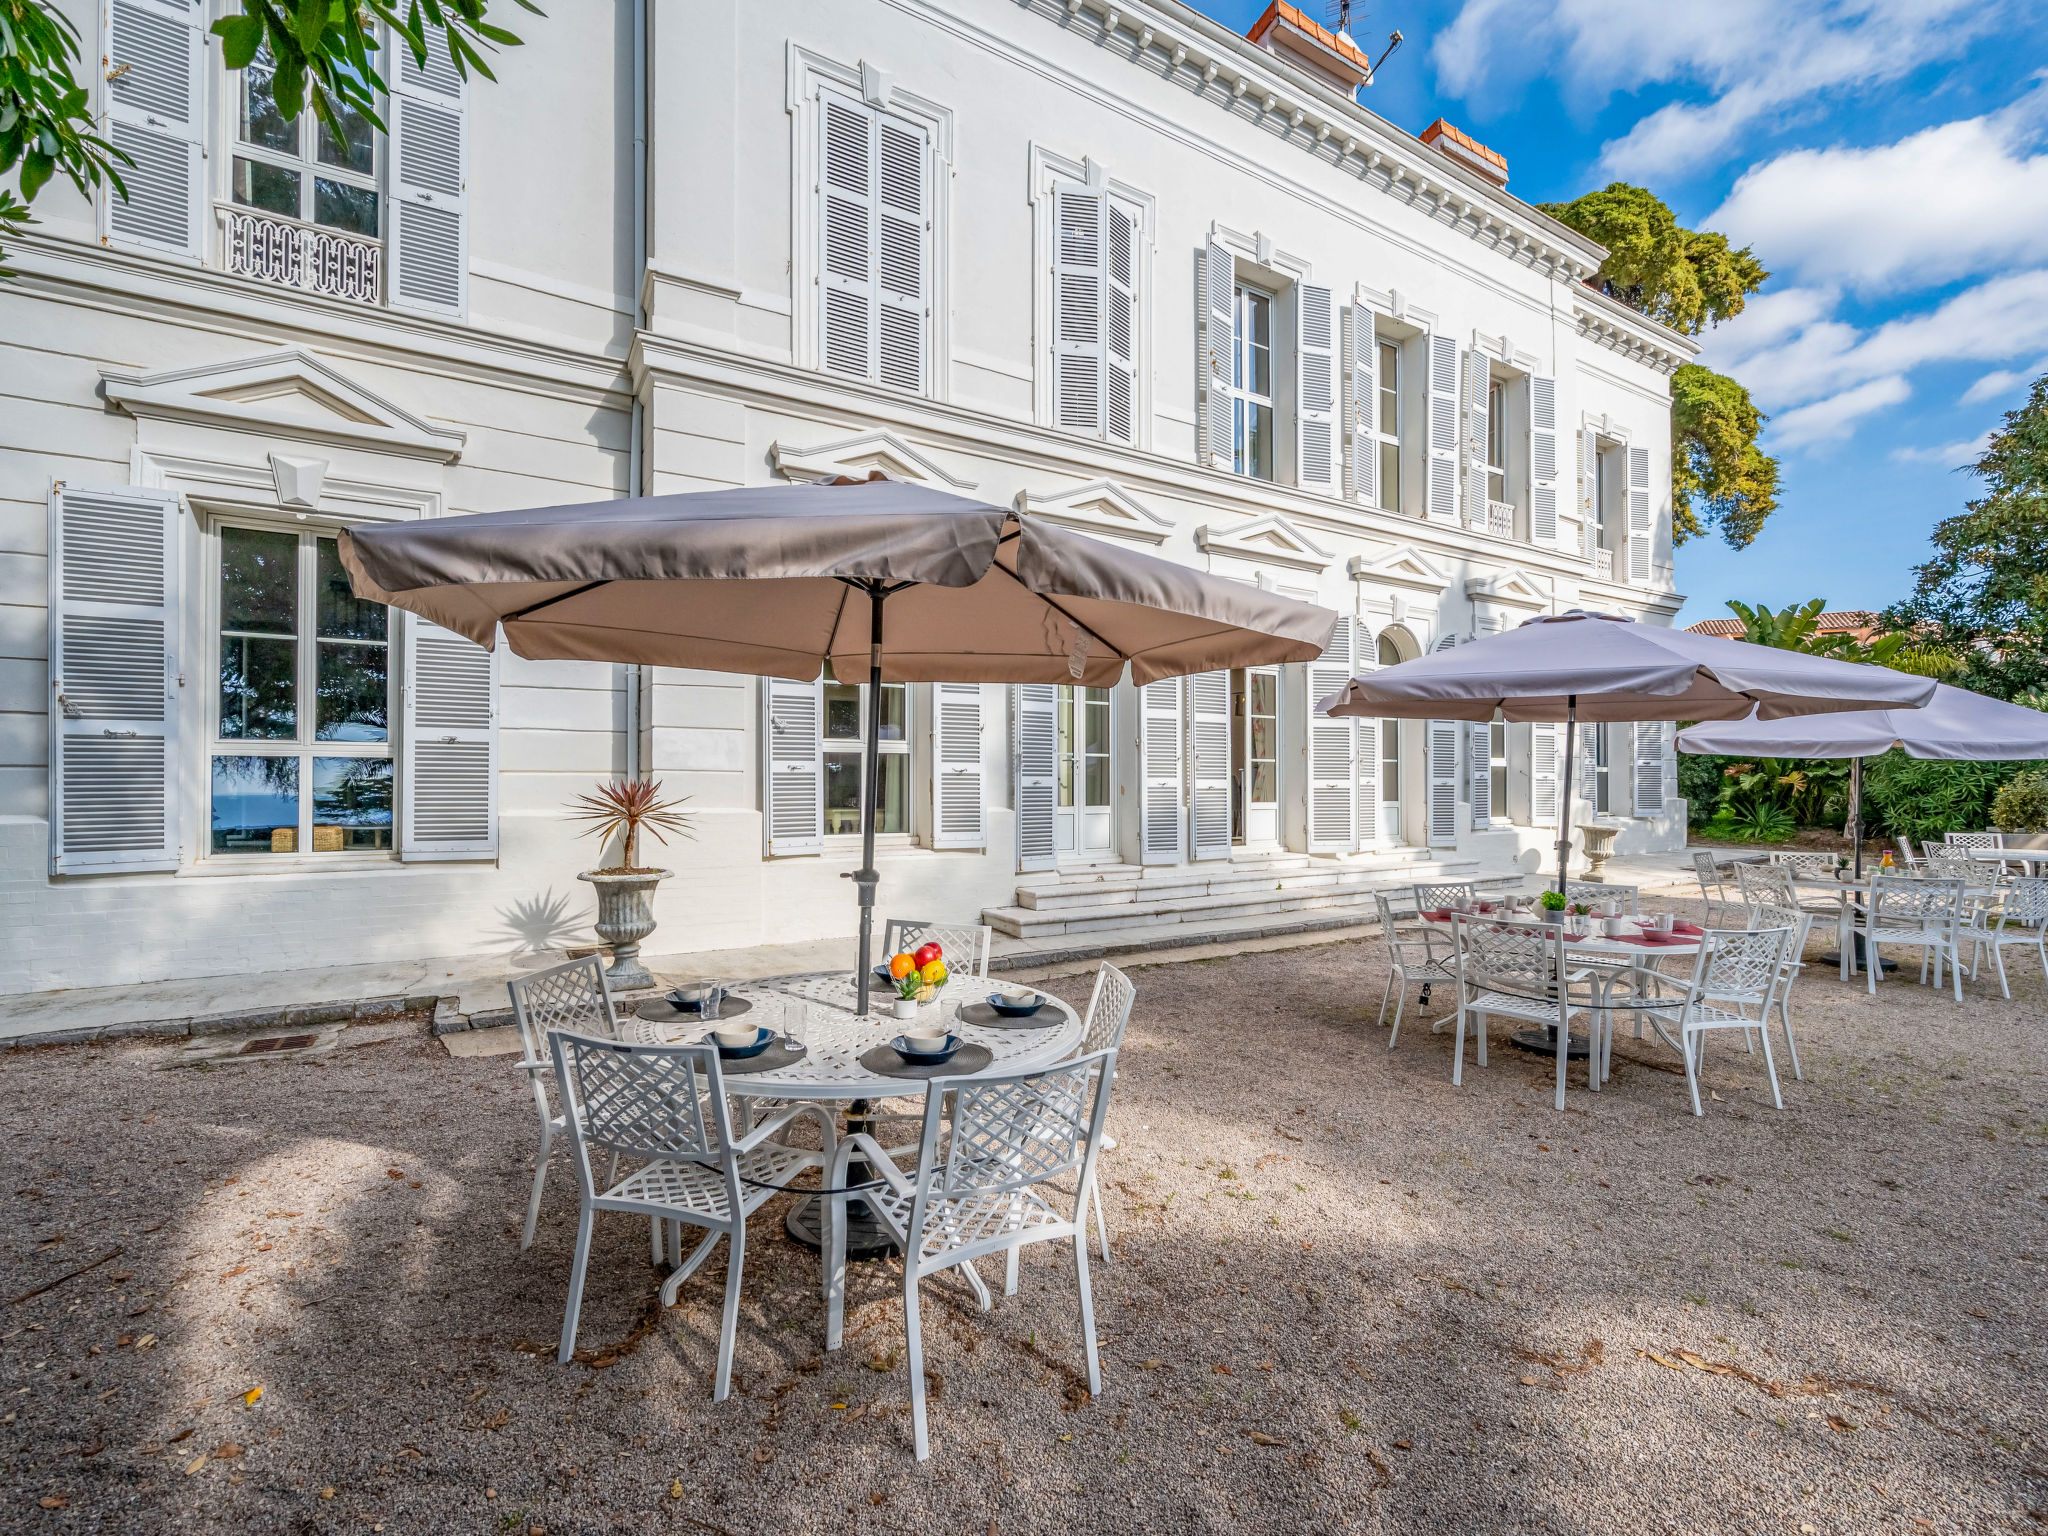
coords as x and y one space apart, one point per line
1331 57
1461 148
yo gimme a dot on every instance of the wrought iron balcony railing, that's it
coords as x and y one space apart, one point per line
294 254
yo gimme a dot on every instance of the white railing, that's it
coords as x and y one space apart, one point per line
1605 565
1500 519
293 254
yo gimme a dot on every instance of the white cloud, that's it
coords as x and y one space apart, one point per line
1947 455
2000 380
1951 201
1755 61
1837 415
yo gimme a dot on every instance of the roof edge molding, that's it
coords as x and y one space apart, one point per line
860 455
288 394
1099 507
1269 540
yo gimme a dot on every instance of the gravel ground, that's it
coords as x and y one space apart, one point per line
1347 1297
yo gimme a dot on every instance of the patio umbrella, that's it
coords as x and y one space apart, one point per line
779 580
1956 725
1600 667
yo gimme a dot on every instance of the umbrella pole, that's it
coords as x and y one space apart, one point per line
1856 812
866 878
1564 800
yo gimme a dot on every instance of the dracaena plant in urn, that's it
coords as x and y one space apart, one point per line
625 808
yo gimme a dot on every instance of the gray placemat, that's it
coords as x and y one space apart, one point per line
884 1061
780 1053
983 1016
662 1011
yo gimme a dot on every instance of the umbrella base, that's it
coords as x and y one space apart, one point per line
1834 958
1543 1042
866 1238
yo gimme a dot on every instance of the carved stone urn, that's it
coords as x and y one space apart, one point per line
1599 847
625 916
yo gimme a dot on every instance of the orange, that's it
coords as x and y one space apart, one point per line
901 966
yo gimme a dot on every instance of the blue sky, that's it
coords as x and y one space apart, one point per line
1887 160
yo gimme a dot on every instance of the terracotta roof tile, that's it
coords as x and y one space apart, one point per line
1338 42
1444 130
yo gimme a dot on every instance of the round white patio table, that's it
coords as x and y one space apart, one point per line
818 1010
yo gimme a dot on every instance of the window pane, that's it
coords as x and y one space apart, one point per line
356 149
342 205
1500 791
343 615
1389 653
1066 779
1261 465
1390 476
1265 693
354 691
351 804
1390 390
1096 737
1265 790
269 187
892 795
1097 783
895 721
262 124
842 712
1390 754
1264 738
259 582
258 689
256 805
842 792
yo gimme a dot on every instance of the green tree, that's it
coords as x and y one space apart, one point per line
1688 279
1984 595
1796 627
326 58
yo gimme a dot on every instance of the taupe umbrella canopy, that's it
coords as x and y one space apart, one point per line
776 580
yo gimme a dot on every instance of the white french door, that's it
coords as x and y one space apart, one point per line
1255 755
1392 829
1083 826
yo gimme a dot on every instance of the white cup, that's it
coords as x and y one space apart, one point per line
1663 921
734 1034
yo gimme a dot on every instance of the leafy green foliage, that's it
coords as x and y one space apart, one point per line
2021 804
45 114
1761 822
1699 780
1686 278
1923 798
1796 627
1984 595
1719 477
624 808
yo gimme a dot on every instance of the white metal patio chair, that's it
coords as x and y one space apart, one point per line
1907 856
966 944
1733 973
1517 972
1982 841
990 1188
1594 893
2020 917
1772 885
1441 895
1763 916
1418 952
1807 868
1923 912
1712 876
665 1105
1952 861
572 997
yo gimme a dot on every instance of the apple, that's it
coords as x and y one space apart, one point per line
925 954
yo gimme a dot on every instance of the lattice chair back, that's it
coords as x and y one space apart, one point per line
1404 947
1906 853
1524 960
574 998
1012 1132
1764 915
2026 902
648 1101
1742 967
1978 840
1767 883
1713 883
966 945
1808 866
1952 861
1914 900
1109 1010
1593 892
1438 895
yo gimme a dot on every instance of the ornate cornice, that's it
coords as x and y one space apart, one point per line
1610 324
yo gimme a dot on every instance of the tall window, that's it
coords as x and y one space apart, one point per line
1496 441
1602 777
1083 738
845 735
1607 476
301 760
1497 753
298 167
1387 426
1390 734
1252 385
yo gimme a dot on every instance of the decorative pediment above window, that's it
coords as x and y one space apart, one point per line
1100 507
1403 566
285 394
861 454
1604 426
1270 540
1515 588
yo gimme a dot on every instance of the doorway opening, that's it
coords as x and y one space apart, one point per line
1255 757
1083 824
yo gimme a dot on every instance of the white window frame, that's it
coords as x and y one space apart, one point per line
830 746
1391 383
1497 439
810 75
1243 399
1049 169
303 747
232 83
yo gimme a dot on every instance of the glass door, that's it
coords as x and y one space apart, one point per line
1083 827
1391 828
1255 756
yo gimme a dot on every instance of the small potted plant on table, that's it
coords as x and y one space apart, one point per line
625 891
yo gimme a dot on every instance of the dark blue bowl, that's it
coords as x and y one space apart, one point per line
763 1038
901 1045
1016 1007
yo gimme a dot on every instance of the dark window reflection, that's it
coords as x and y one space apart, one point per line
262 123
338 205
255 805
269 187
356 149
351 804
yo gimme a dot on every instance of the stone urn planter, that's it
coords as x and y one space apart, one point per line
625 916
1599 847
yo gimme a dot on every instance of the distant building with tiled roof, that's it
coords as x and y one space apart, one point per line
1846 621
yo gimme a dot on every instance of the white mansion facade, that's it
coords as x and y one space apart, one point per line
1100 260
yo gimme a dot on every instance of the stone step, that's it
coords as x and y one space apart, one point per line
1214 880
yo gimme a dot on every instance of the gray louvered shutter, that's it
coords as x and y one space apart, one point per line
1478 399
1640 527
1214 343
429 178
1315 396
1120 326
1589 494
1479 773
1443 430
1543 459
1033 755
1361 405
1585 773
1160 734
1078 281
1332 745
155 113
1649 768
959 818
902 266
1545 762
846 233
449 775
1443 782
113 679
792 767
1208 695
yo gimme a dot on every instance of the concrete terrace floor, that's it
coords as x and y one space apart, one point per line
1346 1297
